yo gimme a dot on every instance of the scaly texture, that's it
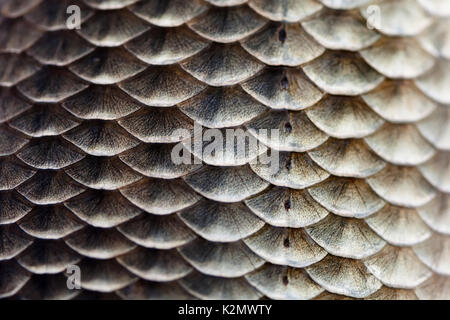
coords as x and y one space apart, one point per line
359 208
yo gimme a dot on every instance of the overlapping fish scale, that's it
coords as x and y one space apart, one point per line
151 290
271 234
296 132
221 183
43 256
50 222
227 24
47 287
437 171
286 10
400 102
49 153
105 243
408 149
109 4
11 105
51 85
435 82
163 129
104 275
344 276
387 293
283 44
285 207
48 257
344 4
160 232
164 46
283 88
102 208
13 142
343 73
105 173
162 196
13 207
112 28
154 160
16 68
347 197
434 253
12 37
435 128
13 241
101 138
402 186
221 222
101 102
51 15
344 117
436 287
244 149
340 30
155 265
296 171
399 226
227 260
107 66
215 288
346 237
285 246
347 158
398 58
162 86
439 8
43 121
398 267
222 65
12 278
226 3
14 9
13 172
281 282
435 39
436 213
222 107
170 13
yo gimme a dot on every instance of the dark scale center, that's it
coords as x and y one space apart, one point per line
282 35
287 127
287 204
285 83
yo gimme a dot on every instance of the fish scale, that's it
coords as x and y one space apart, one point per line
358 89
